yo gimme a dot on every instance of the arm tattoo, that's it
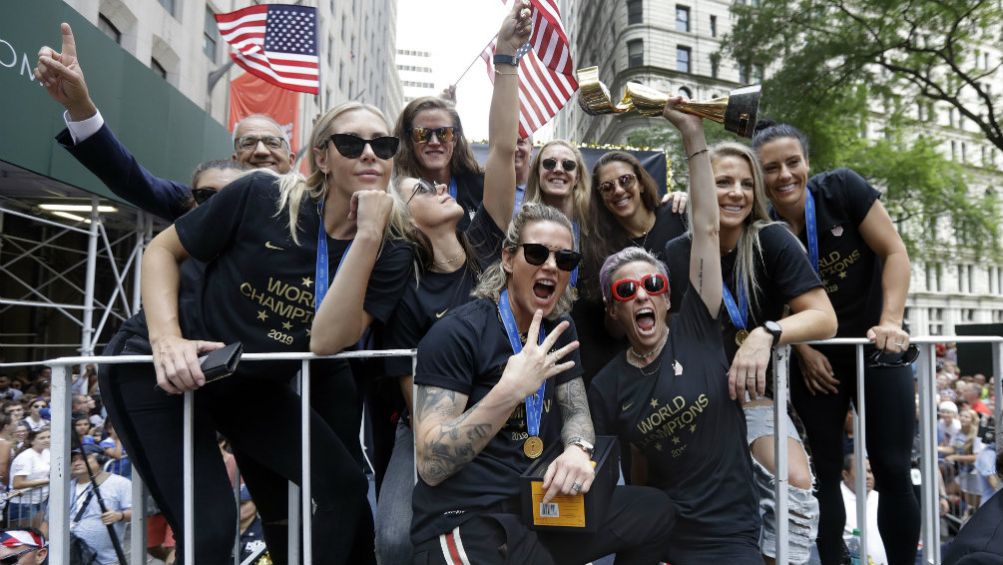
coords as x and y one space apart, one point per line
454 442
575 411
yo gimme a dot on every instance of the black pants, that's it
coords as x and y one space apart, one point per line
261 418
636 529
890 417
149 422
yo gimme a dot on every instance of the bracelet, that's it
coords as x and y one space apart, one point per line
704 150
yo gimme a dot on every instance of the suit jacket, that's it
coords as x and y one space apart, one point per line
105 156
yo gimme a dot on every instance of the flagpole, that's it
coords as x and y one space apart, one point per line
475 59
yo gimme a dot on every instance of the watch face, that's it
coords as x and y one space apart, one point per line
773 328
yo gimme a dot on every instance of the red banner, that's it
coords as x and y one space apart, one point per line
251 95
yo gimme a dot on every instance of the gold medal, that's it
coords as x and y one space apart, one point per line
740 337
533 447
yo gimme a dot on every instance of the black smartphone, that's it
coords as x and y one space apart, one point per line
222 362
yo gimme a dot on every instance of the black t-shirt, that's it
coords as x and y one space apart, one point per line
681 419
668 226
258 287
434 294
782 271
469 194
467 352
850 270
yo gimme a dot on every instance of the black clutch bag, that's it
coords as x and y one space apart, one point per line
222 362
571 513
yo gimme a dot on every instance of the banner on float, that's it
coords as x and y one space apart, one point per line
251 95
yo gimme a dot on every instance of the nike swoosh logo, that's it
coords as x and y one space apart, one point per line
626 406
441 314
270 245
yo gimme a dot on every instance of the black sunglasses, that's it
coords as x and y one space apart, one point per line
537 254
202 194
352 146
880 359
567 164
14 558
422 187
444 134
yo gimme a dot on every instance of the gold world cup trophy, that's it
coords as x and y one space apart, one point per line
737 111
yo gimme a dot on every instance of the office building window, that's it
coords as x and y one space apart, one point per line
109 29
683 59
168 5
158 68
635 53
743 73
635 12
210 35
936 324
715 64
713 26
682 18
757 72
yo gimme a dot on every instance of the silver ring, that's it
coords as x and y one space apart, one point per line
900 343
576 487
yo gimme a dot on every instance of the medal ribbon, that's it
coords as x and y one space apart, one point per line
739 313
578 237
534 402
321 276
809 223
452 187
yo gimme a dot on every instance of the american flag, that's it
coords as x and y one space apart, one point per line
275 42
544 88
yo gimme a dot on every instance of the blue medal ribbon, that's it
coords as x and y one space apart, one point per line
322 280
534 402
809 224
739 313
452 187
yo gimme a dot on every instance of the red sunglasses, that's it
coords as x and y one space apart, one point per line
624 290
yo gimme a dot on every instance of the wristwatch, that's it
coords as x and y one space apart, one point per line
506 60
587 447
774 329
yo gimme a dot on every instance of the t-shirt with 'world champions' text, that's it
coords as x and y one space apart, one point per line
259 284
677 413
466 352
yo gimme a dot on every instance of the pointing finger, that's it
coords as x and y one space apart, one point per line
69 44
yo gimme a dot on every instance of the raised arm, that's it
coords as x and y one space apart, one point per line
705 253
880 235
503 121
572 471
99 150
447 437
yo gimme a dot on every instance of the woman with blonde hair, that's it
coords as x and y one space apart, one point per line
764 270
294 264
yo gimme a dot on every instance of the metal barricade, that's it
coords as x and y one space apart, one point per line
300 517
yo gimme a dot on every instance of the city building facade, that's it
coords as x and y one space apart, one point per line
415 68
179 40
673 47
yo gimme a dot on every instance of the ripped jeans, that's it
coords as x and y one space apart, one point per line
802 506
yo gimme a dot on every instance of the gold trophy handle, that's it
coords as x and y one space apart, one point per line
737 111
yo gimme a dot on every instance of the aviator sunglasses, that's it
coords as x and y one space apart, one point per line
624 290
444 134
537 254
567 164
13 558
625 182
904 359
351 146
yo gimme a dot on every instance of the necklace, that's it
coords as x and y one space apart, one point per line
643 358
451 260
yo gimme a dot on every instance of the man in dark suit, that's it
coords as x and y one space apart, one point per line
258 140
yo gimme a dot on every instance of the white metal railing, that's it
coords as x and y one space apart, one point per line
299 499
